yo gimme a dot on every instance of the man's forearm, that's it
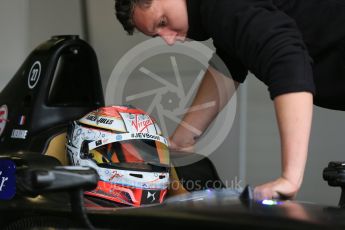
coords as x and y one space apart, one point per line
213 94
294 115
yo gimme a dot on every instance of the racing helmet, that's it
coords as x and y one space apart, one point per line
126 147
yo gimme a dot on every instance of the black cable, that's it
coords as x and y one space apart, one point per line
78 207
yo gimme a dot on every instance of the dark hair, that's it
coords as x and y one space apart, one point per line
124 12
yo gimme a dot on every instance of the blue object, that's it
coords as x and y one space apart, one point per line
271 202
7 179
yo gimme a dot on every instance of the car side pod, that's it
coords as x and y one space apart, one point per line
334 174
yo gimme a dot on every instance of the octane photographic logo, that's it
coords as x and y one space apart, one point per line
163 80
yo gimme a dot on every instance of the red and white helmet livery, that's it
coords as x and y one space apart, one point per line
126 147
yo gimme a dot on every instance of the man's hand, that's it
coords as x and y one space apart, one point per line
278 189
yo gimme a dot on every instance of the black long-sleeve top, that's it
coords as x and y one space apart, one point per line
279 41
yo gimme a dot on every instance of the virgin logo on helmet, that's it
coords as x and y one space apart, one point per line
140 126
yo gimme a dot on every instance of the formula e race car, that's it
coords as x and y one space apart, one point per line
40 186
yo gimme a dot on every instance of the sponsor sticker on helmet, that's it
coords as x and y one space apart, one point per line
118 137
150 197
99 121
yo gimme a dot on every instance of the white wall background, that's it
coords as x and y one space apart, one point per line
14 34
25 24
254 140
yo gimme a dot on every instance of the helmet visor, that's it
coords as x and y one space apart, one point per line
138 154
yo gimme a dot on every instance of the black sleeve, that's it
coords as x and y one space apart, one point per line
264 40
228 66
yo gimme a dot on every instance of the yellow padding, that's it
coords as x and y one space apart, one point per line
175 188
98 157
57 148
